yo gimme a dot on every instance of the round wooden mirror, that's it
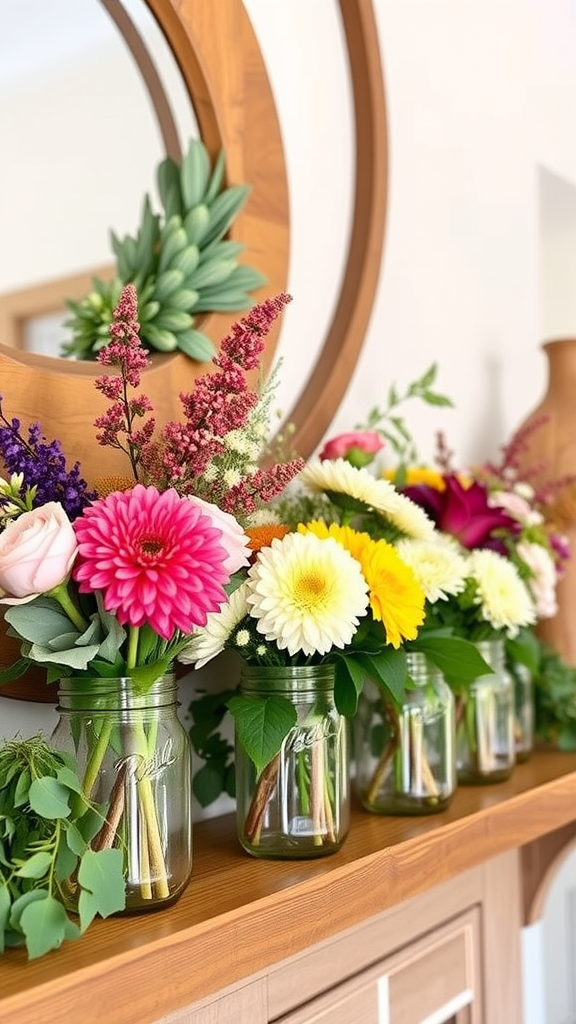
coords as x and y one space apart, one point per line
220 61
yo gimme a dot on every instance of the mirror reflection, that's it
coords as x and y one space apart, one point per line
81 141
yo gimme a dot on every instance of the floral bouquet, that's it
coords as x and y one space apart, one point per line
327 585
104 587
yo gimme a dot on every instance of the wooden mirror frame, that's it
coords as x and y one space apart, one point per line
221 63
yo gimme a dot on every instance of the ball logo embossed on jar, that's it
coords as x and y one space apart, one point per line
138 767
304 737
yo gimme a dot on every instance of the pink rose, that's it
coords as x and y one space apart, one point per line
542 582
358 447
517 506
233 539
37 551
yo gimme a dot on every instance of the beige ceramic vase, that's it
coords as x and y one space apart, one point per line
550 455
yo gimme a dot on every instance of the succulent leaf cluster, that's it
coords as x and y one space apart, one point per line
179 260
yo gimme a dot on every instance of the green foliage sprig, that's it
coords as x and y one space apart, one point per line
46 865
179 261
555 700
386 421
216 775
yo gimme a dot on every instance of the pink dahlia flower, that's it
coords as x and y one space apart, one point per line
156 557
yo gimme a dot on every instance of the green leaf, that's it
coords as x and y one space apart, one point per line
66 858
5 903
101 877
386 668
262 724
207 784
22 788
194 173
216 179
76 658
13 672
526 649
39 621
45 926
196 345
36 866
348 684
49 798
458 660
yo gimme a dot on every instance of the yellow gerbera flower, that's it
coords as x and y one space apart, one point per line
419 475
353 540
396 597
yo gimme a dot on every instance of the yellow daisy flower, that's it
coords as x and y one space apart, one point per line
396 597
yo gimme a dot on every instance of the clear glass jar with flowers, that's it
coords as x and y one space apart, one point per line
104 585
496 605
325 588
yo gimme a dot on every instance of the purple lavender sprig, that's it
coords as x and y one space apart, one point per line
43 466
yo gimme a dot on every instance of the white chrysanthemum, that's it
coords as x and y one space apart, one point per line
504 600
307 594
209 640
339 476
439 568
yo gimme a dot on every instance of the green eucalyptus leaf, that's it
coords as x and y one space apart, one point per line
49 798
36 866
262 724
21 902
66 858
100 875
44 924
22 787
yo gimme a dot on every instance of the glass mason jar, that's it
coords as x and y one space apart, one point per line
405 756
485 721
523 710
134 758
299 804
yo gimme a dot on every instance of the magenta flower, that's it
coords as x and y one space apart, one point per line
465 513
156 557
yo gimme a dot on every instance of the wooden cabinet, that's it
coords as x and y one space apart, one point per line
433 959
413 920
436 978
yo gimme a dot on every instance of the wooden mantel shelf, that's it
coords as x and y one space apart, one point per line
239 915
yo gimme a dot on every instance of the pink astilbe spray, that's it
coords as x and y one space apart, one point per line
116 426
260 488
214 451
196 454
